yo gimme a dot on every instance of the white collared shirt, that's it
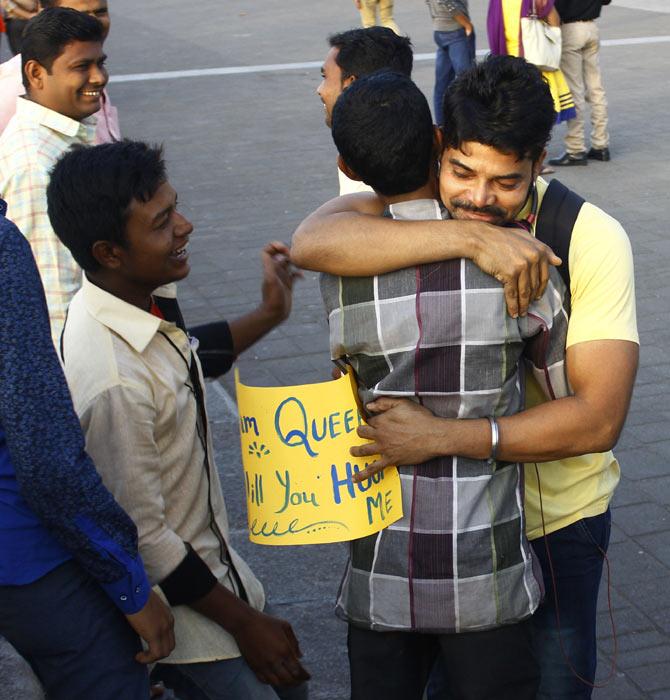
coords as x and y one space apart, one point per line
128 373
29 147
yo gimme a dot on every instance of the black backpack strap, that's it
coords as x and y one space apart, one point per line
558 213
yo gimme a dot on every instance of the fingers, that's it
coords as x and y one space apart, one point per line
366 431
382 404
367 450
511 292
277 248
292 639
524 285
544 278
158 648
534 274
370 470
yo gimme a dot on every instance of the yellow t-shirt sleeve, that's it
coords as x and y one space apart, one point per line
602 281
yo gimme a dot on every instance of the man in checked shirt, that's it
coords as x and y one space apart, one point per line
455 577
64 75
488 175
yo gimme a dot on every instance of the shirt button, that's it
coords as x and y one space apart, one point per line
138 589
124 598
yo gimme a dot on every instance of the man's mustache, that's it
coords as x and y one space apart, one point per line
469 206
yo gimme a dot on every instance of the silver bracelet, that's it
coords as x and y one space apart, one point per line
495 437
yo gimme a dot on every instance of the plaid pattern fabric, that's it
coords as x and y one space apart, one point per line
440 334
29 147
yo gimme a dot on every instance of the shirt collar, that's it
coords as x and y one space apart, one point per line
415 209
27 109
135 326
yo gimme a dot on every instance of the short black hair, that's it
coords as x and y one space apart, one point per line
366 51
383 130
91 190
502 102
48 33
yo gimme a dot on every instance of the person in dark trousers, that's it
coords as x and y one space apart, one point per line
74 596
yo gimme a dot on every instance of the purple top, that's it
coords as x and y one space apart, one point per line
495 23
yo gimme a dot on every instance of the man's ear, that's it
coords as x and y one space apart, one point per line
35 73
107 255
537 165
347 81
347 170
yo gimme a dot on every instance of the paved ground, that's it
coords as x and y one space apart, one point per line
250 157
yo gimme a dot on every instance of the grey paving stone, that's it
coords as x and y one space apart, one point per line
629 492
658 544
17 681
644 462
644 657
642 518
619 688
653 677
635 641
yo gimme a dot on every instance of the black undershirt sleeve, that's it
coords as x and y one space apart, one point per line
190 581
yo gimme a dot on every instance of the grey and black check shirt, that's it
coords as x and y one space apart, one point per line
440 334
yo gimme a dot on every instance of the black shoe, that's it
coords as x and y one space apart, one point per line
599 154
570 159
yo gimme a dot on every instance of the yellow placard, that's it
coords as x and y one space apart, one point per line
297 467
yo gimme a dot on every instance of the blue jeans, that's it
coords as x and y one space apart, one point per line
229 679
77 641
578 564
455 54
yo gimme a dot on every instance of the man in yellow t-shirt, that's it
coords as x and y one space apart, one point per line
567 442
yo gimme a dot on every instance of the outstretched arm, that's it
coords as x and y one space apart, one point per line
348 237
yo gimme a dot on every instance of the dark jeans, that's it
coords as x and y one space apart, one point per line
491 665
455 54
578 564
77 642
229 679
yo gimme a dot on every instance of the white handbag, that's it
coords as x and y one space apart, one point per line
541 42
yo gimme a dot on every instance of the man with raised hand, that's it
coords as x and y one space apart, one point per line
136 378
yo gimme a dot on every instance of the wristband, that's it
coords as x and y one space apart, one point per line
495 438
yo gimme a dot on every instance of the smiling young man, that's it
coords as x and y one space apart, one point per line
570 471
64 75
136 377
11 83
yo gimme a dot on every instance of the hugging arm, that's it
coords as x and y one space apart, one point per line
348 236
